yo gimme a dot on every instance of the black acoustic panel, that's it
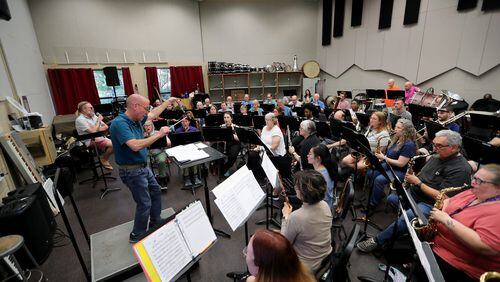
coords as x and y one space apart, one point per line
357 12
327 22
4 10
466 4
489 5
412 9
338 20
385 14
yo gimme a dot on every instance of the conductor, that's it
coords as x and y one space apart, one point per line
131 153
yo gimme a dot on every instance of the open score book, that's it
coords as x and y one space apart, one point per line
165 253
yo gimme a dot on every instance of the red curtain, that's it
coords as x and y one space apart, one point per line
70 87
127 82
153 84
184 79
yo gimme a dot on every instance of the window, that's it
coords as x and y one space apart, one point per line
106 94
164 81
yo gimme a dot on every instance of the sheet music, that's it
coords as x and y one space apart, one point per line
418 247
270 170
167 250
184 153
200 145
196 228
238 196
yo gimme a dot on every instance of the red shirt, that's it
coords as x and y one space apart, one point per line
485 220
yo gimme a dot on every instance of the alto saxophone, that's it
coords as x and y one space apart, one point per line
378 150
427 232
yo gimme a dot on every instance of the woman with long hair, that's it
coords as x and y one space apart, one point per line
378 137
271 258
309 227
232 147
401 150
321 160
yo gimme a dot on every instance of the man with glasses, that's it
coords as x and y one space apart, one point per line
131 155
445 168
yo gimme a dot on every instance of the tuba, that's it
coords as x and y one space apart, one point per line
490 276
427 232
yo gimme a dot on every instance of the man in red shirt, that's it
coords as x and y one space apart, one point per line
468 239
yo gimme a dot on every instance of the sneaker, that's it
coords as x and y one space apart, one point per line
367 246
187 182
197 181
134 238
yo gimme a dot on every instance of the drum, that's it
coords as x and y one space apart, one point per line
430 100
311 69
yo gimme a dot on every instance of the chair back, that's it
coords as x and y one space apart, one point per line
342 260
347 200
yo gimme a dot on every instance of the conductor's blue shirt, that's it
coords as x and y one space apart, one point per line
123 129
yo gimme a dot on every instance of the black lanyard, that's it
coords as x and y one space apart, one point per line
492 199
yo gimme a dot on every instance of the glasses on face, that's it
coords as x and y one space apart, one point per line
439 146
146 108
479 181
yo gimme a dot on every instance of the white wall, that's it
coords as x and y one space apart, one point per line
24 60
446 49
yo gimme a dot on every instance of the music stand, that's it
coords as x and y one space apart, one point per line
218 134
299 111
199 97
375 93
172 114
480 151
242 120
236 107
160 123
364 119
323 129
433 128
104 109
184 138
267 107
348 94
290 122
418 112
214 120
200 113
258 122
395 94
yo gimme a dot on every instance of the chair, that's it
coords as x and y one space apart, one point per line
346 201
336 265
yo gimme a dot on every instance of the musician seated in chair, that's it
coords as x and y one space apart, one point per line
233 147
285 109
159 156
256 109
304 143
343 103
448 168
190 175
378 137
445 114
317 102
321 160
294 102
399 112
355 106
467 243
401 149
308 228
88 122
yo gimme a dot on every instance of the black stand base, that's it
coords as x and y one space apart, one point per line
107 190
222 233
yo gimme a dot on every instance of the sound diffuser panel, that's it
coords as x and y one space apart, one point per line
466 4
412 10
357 12
327 22
385 14
338 20
489 5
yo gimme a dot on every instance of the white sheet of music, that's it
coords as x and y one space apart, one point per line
167 250
270 170
196 227
418 247
189 152
238 196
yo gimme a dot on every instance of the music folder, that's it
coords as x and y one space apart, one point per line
168 252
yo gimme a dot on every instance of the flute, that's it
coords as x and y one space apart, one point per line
283 190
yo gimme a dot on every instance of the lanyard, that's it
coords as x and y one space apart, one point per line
492 199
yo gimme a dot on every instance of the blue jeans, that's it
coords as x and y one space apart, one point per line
379 183
386 234
147 195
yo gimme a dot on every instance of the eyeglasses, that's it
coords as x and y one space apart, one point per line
479 181
439 146
146 108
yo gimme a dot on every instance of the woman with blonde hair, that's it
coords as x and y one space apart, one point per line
271 258
378 137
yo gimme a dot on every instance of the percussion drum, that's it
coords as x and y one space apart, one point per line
430 100
311 69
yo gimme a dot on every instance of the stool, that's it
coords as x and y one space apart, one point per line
8 246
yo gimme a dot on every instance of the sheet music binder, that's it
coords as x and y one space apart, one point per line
175 239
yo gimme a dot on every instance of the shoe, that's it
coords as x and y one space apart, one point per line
133 238
154 224
197 181
163 188
187 182
227 174
367 246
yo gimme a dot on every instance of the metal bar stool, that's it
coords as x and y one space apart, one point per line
8 246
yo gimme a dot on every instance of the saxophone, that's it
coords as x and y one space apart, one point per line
427 232
378 150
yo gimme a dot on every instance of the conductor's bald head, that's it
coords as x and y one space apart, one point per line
137 106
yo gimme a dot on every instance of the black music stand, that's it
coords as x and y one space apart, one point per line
483 126
258 122
214 155
395 94
218 134
160 123
418 112
184 138
433 128
268 108
214 120
299 111
323 130
103 175
242 120
200 113
364 119
104 109
199 97
290 122
375 93
172 114
479 151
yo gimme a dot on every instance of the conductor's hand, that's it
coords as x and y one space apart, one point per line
412 179
164 130
287 210
291 150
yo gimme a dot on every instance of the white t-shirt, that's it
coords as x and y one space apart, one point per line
267 137
374 136
82 123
